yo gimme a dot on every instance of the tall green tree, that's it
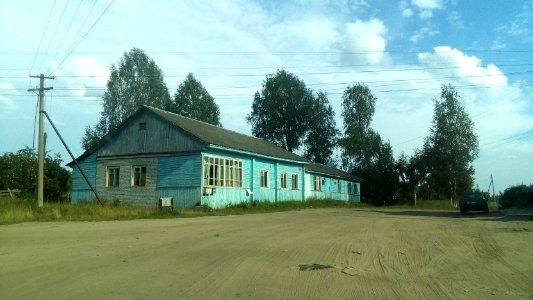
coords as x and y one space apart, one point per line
192 100
451 147
136 81
412 171
322 136
363 152
280 112
360 142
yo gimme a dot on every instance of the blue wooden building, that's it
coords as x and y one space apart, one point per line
156 154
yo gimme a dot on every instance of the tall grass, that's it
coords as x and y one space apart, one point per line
24 210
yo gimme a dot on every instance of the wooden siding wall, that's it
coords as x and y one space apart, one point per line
125 192
158 137
224 196
330 189
252 167
81 191
180 177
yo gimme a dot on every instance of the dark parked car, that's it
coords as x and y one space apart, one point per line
473 202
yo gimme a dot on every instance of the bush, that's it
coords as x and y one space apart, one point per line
519 196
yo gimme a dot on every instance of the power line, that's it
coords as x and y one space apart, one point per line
85 35
42 37
255 53
53 35
68 29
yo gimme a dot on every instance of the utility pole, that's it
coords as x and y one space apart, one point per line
40 174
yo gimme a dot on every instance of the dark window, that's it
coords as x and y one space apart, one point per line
113 176
284 180
265 182
142 126
294 181
139 176
318 183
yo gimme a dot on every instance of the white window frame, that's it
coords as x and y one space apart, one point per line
295 181
284 180
222 171
317 186
141 181
116 176
264 175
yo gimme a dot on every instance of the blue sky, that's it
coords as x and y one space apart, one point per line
403 50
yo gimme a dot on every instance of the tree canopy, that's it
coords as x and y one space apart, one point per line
192 100
288 114
363 152
280 111
322 136
19 171
360 142
451 146
136 81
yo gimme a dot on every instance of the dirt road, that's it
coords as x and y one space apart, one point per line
308 254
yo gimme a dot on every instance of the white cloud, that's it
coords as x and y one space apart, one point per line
407 12
499 109
425 14
425 8
427 4
364 42
6 102
522 23
422 33
463 67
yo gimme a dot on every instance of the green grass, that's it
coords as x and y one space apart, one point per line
24 210
426 204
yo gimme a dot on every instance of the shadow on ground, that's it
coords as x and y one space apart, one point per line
492 216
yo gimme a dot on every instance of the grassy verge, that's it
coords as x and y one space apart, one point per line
23 210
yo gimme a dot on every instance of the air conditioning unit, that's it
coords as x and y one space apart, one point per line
208 190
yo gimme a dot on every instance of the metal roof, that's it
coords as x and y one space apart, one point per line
216 135
327 170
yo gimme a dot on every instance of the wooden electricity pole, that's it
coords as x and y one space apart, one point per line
40 175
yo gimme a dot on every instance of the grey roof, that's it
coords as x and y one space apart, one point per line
215 135
219 136
327 170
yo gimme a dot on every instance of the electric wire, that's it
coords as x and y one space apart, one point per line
53 35
85 35
66 33
42 37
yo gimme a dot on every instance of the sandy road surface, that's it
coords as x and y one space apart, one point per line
373 254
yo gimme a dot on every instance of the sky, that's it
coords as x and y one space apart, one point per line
403 50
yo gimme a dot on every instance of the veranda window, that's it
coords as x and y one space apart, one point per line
223 172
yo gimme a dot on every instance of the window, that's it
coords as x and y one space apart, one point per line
219 171
284 180
113 176
138 176
318 183
352 188
294 181
142 126
265 182
338 183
